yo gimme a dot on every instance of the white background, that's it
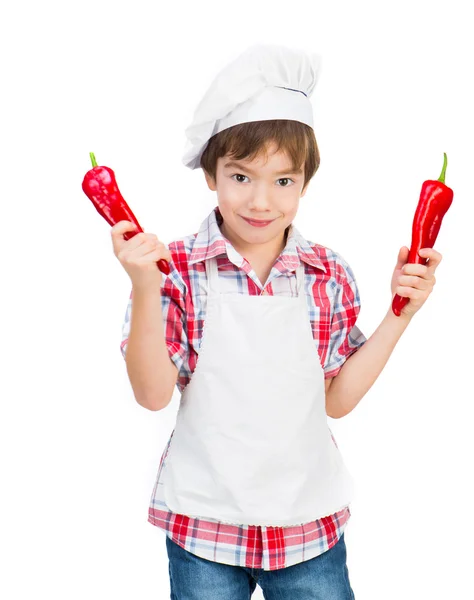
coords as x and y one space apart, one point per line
122 79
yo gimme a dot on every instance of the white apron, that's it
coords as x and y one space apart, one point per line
251 445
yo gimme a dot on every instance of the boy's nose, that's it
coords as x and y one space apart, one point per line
261 200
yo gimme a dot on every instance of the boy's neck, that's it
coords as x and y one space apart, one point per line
259 256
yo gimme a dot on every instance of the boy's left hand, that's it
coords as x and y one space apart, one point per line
415 281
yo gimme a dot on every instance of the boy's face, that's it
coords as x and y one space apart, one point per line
257 190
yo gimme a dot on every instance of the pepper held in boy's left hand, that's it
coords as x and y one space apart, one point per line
435 199
100 187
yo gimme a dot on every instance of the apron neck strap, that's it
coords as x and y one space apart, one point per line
213 276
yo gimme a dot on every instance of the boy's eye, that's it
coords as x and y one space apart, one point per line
238 175
285 179
281 178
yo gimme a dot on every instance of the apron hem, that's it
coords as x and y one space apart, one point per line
226 522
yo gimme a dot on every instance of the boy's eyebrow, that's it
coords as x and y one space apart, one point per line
237 165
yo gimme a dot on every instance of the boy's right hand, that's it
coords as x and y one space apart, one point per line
139 255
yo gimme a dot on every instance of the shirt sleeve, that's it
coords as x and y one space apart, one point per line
173 290
346 337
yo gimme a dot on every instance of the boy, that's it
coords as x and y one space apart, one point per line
256 326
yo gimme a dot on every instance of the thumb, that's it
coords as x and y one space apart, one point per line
402 257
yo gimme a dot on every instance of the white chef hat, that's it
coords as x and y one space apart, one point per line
265 82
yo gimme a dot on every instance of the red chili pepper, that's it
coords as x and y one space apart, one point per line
435 199
100 187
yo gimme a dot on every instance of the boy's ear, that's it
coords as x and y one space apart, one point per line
210 181
304 190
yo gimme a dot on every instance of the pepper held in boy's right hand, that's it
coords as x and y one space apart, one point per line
100 187
435 199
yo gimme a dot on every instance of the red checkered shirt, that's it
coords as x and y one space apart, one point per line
333 307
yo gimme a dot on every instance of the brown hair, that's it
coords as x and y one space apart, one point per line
247 140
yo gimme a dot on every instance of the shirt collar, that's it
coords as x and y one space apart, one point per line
210 242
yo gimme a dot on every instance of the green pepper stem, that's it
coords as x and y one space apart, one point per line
94 162
443 172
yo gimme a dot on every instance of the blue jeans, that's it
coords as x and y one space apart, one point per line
324 577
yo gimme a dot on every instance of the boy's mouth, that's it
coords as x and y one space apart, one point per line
257 222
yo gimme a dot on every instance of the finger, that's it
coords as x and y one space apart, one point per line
117 232
157 250
132 244
434 257
414 282
408 292
150 241
431 253
415 269
120 228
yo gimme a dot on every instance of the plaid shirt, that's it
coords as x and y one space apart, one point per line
333 307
